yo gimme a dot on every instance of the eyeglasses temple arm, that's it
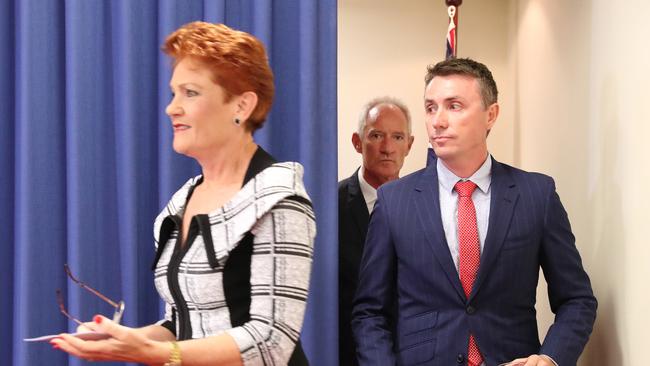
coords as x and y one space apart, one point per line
97 293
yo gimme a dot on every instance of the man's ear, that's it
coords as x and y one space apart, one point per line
356 142
246 103
411 139
493 113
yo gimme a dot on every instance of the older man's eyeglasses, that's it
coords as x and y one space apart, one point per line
119 306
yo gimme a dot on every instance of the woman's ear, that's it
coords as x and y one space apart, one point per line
246 103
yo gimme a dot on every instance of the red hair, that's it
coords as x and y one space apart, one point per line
237 60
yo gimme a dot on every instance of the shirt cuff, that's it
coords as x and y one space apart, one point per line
550 358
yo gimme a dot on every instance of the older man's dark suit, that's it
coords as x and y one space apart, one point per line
353 224
406 257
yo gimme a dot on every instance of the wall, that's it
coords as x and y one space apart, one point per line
582 78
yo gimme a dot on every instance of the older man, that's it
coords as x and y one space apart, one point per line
383 139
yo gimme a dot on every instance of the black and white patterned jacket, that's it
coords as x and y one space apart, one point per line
245 270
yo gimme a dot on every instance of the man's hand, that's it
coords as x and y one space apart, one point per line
532 360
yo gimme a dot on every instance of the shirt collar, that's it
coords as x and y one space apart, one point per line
482 177
368 191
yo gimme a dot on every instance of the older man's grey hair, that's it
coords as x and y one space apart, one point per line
363 117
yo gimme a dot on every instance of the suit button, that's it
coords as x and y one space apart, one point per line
460 358
470 310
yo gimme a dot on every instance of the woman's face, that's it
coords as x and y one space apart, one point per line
201 119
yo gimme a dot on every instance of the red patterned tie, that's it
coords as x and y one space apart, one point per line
469 250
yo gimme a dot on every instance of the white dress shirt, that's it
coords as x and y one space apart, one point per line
368 191
449 203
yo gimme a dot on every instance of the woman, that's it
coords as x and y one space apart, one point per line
234 244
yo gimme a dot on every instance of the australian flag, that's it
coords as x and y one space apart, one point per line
451 33
451 53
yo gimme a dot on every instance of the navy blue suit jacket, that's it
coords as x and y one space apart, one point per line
406 258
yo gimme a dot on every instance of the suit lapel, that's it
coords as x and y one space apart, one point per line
357 205
427 203
504 195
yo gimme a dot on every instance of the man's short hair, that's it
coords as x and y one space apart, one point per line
363 117
469 67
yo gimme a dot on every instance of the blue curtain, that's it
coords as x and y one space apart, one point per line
87 163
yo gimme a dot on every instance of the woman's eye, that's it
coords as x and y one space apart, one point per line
191 93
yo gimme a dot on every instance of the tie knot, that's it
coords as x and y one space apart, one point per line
465 188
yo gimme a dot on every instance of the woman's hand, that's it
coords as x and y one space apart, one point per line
125 344
87 327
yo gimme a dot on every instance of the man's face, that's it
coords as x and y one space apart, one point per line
456 120
384 144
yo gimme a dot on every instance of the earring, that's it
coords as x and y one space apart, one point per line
237 121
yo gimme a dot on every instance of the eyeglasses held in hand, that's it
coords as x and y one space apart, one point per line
119 306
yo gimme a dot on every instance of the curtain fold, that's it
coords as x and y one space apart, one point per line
7 188
87 162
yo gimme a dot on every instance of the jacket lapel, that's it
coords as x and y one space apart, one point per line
427 203
504 195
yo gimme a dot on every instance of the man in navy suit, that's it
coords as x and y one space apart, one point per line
383 139
449 273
